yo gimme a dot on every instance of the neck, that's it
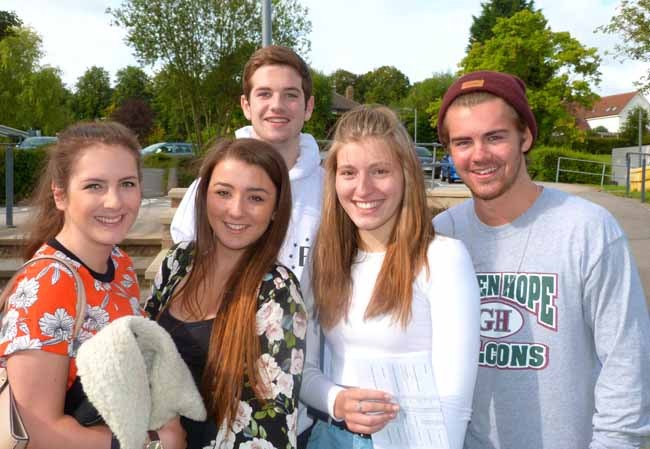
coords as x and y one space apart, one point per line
289 150
94 256
508 207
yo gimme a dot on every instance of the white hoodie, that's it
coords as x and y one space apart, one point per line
306 178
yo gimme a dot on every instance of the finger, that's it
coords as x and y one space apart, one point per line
374 407
362 394
363 428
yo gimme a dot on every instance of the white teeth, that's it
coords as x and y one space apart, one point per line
485 171
109 220
368 204
235 227
278 120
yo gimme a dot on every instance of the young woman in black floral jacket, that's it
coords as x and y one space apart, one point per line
236 315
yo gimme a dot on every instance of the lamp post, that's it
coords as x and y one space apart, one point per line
266 23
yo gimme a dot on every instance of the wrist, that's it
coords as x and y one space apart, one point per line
153 440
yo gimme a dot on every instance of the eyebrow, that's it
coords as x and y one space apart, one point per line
250 189
487 134
284 89
126 178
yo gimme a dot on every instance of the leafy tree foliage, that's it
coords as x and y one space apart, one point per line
93 94
341 79
632 23
557 69
45 102
200 42
481 29
630 128
8 20
131 82
385 85
135 114
420 97
322 118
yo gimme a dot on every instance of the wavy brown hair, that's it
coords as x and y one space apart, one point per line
47 220
338 240
234 346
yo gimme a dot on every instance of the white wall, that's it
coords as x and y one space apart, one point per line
612 123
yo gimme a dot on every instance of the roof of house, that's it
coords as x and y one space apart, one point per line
607 106
341 104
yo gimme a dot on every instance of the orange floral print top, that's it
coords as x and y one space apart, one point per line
41 310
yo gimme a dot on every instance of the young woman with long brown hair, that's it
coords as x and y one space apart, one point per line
384 284
236 315
84 205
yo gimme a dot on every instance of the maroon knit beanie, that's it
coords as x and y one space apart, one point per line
508 87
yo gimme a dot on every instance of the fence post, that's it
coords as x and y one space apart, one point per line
9 186
557 170
627 174
602 177
643 170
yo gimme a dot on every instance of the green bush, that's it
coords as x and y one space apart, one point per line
600 145
28 167
542 165
187 169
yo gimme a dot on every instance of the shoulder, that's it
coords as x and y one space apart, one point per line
450 221
447 253
281 283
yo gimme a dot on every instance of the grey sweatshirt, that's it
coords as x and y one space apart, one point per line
565 335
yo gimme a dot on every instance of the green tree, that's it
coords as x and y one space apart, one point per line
45 102
420 97
20 53
481 29
630 128
341 79
632 23
557 69
196 41
384 85
131 82
8 21
322 118
93 94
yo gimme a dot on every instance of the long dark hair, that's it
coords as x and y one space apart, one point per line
234 344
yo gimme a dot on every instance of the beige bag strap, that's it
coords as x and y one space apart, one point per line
79 288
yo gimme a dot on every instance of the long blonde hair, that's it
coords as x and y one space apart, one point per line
337 241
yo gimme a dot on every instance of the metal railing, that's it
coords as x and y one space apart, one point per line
602 173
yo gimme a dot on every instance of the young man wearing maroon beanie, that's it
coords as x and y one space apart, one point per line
565 334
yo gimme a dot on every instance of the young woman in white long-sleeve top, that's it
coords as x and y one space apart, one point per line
384 285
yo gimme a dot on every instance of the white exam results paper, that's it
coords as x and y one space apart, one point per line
409 379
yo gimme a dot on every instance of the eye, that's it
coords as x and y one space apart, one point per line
292 95
345 172
222 193
381 171
495 138
264 94
129 184
257 198
93 186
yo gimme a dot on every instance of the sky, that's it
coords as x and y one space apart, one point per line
419 37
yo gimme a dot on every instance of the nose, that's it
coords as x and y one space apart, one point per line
276 101
364 186
236 206
480 150
113 199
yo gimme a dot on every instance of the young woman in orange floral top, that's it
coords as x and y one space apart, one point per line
236 315
86 202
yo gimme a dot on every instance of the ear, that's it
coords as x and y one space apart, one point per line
527 141
245 107
59 197
309 108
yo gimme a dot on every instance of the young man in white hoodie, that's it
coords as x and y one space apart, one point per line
277 100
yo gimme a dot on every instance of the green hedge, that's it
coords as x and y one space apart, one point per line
542 165
187 168
600 145
28 167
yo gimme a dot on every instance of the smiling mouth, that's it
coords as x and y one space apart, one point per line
110 220
484 171
277 120
235 227
367 205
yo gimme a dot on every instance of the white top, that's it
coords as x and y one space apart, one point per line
444 321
